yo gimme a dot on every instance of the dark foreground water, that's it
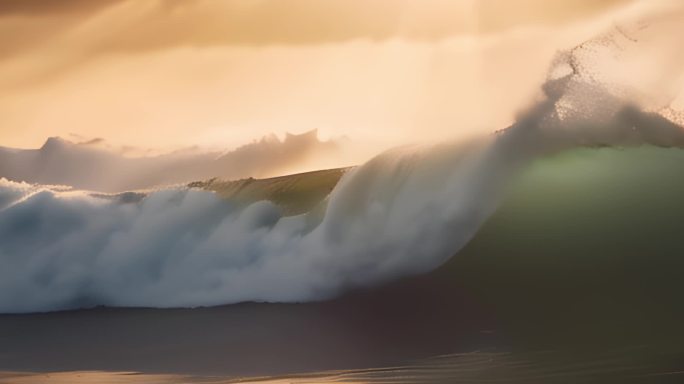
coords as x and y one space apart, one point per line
614 366
576 278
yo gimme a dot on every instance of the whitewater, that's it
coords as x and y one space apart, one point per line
405 212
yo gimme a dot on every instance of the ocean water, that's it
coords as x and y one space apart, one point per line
574 278
550 252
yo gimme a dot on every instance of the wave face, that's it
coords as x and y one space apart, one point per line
597 229
404 212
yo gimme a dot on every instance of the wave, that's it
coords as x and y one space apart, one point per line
398 215
405 212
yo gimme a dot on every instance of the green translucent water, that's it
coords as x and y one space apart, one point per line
587 248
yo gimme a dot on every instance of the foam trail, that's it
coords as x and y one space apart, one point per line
404 212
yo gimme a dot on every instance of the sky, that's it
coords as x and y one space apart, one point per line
172 74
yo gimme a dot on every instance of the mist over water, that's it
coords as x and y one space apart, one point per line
404 212
91 165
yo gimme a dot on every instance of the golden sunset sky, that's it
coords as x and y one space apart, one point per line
175 73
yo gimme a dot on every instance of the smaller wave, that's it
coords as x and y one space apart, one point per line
85 166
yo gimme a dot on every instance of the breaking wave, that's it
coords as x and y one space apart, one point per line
404 212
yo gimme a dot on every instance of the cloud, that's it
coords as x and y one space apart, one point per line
98 27
39 7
